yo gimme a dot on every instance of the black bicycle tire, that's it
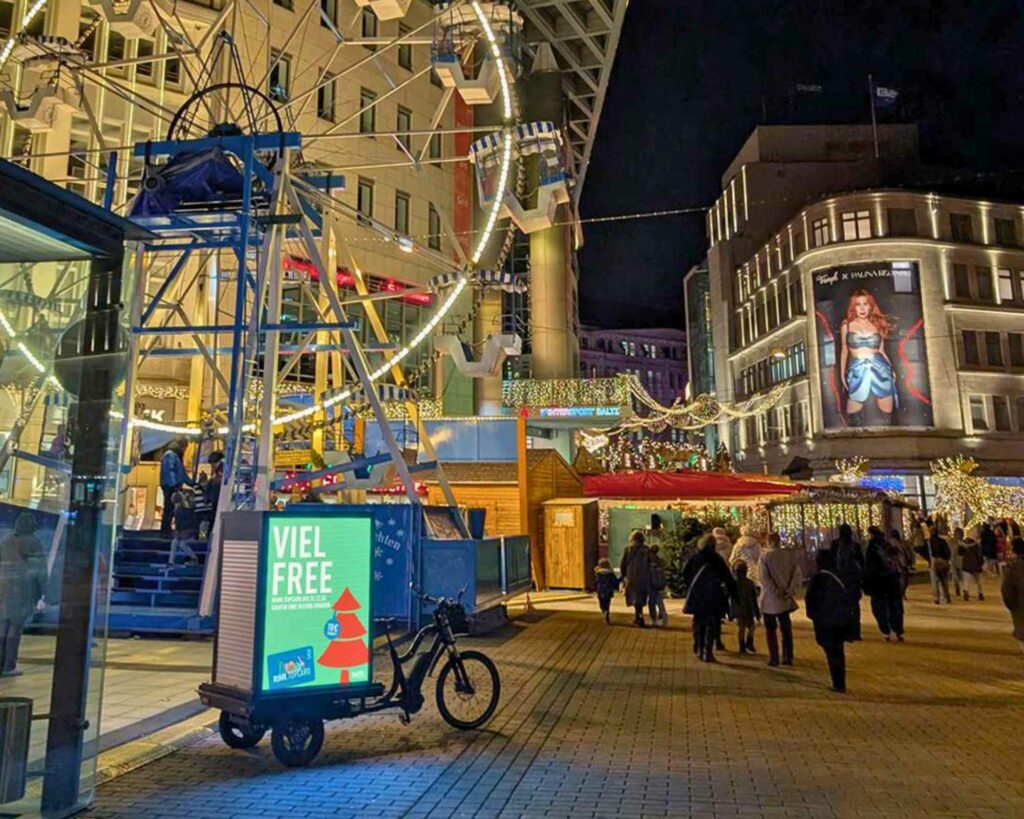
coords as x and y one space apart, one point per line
237 736
449 668
289 757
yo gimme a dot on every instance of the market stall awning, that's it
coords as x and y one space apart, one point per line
682 486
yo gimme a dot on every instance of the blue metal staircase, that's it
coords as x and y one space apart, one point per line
148 595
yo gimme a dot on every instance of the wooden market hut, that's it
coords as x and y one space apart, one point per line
494 487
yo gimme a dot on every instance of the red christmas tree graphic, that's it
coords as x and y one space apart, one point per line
348 649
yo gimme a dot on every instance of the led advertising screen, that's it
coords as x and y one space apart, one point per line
870 330
316 612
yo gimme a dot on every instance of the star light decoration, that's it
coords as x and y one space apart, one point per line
963 496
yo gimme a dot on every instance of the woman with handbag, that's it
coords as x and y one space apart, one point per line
937 552
704 576
780 581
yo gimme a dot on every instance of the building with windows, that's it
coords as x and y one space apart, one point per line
889 319
656 356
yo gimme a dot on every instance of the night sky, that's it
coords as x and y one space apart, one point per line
691 80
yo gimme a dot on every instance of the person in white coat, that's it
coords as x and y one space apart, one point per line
748 549
780 582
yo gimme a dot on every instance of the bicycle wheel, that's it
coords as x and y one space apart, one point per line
297 740
468 689
239 735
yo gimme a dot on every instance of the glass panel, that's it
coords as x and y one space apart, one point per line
39 587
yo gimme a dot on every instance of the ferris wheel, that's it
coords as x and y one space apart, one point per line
324 71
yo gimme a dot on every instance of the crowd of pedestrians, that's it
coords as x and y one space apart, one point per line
756 580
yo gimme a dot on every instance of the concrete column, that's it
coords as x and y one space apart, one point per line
551 327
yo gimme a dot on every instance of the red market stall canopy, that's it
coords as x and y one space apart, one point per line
682 486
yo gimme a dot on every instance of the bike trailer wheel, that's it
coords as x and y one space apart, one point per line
468 689
296 740
237 734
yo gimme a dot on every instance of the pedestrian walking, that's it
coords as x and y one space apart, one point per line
828 607
884 585
989 548
748 549
1013 589
635 570
906 558
605 584
22 586
202 506
704 575
172 478
745 610
780 582
656 599
973 565
186 528
850 568
956 562
937 552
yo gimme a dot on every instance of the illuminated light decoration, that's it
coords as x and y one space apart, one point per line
565 392
344 278
850 471
963 496
5 52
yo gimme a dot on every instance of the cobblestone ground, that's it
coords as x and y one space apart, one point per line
615 721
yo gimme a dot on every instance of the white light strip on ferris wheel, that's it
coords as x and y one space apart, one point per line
449 302
29 16
25 350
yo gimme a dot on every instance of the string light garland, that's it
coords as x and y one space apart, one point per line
850 471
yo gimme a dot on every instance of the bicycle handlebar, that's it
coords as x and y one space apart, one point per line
436 601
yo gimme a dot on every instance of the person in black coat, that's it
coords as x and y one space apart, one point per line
850 568
828 607
605 584
989 547
884 585
705 574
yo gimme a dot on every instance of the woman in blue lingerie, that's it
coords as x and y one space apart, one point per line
867 371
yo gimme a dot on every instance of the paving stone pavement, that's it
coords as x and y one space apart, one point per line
599 721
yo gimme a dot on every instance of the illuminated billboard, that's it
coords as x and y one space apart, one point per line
315 617
871 349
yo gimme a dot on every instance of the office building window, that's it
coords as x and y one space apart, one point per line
1001 413
960 228
764 426
402 212
979 419
280 74
961 282
1004 277
368 26
403 124
902 222
433 228
364 200
1016 342
404 49
856 224
971 352
325 99
983 281
1006 232
328 13
993 350
146 48
285 4
1020 413
819 232
172 72
367 111
115 46
434 151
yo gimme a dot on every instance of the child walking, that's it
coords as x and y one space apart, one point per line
745 610
606 584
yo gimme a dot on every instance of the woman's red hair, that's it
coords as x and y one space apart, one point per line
878 319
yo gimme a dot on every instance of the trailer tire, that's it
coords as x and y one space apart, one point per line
296 740
238 735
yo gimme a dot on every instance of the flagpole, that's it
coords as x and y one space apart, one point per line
874 119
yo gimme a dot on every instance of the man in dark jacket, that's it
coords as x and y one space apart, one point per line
705 574
850 569
828 607
883 583
635 570
989 547
938 554
172 478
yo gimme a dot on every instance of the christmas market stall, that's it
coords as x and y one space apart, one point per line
660 501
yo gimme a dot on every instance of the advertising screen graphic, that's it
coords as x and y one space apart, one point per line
870 330
316 606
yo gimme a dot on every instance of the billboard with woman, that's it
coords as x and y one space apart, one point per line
871 350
